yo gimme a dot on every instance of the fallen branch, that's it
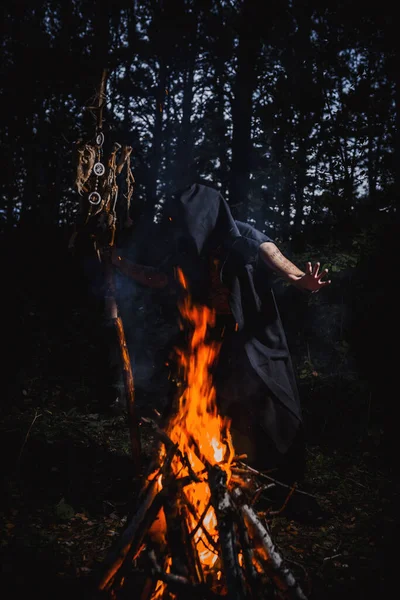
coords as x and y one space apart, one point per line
35 418
274 513
264 476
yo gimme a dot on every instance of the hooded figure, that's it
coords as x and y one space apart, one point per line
226 270
254 377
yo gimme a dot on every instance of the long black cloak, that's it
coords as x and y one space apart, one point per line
255 372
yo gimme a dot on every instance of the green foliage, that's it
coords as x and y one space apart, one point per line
308 370
63 511
341 262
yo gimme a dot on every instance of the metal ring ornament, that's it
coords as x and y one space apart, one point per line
100 139
99 169
94 198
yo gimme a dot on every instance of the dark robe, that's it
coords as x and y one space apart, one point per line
254 377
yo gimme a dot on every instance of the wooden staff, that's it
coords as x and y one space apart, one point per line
111 314
111 308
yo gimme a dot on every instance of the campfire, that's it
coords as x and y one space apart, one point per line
195 531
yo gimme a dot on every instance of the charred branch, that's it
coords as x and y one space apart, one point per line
180 584
253 580
133 535
225 513
168 443
175 536
193 512
176 561
193 559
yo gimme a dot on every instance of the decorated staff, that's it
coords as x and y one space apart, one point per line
97 182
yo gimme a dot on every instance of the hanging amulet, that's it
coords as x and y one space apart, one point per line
94 198
100 139
99 169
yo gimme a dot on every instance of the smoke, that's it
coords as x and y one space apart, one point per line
149 317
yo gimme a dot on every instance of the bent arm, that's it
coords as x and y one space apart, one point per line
147 276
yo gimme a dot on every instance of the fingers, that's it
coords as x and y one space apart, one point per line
315 269
317 280
321 284
322 274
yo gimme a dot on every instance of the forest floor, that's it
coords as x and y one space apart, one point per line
69 485
67 473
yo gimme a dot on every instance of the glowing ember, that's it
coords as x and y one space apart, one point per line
161 586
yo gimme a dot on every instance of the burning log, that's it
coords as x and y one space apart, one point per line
180 584
195 568
252 578
225 513
150 503
248 557
175 536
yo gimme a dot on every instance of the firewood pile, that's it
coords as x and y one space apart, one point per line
195 531
178 547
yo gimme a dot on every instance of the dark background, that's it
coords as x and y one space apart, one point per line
290 108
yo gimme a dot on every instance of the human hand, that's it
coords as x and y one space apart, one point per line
312 280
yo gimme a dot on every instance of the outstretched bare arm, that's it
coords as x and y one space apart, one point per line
311 280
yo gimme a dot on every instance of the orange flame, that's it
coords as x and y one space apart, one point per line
200 433
197 422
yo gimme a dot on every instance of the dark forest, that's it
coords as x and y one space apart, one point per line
290 109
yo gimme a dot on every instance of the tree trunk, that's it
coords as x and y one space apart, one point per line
155 158
242 106
185 144
396 68
221 125
184 163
